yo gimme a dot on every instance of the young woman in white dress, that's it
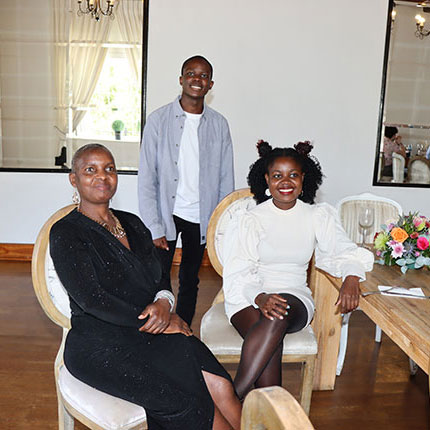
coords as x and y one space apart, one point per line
267 252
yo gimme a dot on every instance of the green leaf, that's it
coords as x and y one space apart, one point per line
387 259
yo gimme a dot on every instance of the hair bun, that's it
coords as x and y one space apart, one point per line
303 148
263 148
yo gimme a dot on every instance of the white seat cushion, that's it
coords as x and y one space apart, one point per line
223 339
110 413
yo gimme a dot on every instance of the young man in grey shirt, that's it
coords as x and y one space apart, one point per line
185 170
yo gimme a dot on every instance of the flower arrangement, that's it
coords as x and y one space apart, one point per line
405 243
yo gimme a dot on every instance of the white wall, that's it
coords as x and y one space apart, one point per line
284 71
27 104
28 199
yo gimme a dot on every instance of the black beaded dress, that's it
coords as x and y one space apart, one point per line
109 286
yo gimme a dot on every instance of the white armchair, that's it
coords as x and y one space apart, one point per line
216 331
385 210
349 208
398 168
419 170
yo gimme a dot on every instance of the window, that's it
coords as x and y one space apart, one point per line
117 97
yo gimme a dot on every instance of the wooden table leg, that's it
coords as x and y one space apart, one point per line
326 325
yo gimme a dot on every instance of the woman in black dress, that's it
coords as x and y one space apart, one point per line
124 339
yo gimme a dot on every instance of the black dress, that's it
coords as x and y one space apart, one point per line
109 286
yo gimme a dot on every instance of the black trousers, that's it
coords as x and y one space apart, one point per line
192 255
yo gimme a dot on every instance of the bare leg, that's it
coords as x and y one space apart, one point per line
262 346
227 406
220 423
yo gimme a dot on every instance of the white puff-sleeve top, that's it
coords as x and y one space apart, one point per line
267 250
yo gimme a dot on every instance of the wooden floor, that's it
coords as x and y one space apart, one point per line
374 392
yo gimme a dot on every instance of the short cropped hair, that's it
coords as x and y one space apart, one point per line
83 149
197 57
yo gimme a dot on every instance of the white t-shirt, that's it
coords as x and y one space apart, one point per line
187 202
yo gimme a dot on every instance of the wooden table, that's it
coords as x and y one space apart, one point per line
405 321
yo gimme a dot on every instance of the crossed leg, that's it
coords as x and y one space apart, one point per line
260 361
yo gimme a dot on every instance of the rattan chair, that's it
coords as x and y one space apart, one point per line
93 408
216 331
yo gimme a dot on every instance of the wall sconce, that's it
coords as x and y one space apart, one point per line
420 32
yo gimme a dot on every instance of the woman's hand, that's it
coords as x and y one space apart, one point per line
349 294
272 305
178 325
159 317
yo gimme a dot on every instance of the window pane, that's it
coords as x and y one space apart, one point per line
117 97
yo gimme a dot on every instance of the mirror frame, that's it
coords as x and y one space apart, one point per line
145 31
381 110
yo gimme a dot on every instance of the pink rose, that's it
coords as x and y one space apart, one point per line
422 243
414 235
417 221
378 253
417 254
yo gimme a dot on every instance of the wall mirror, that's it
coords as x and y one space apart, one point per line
402 152
67 79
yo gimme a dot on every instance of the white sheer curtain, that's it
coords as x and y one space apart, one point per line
79 53
78 60
129 16
87 56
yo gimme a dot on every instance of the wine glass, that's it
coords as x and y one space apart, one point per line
365 220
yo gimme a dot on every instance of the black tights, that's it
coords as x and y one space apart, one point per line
260 361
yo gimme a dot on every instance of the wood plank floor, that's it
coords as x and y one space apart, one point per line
374 391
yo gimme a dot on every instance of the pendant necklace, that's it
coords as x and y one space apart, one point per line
117 230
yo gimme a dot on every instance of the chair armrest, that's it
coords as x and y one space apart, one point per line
273 408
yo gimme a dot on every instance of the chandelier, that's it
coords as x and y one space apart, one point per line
95 8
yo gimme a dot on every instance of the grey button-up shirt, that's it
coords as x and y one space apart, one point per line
158 167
